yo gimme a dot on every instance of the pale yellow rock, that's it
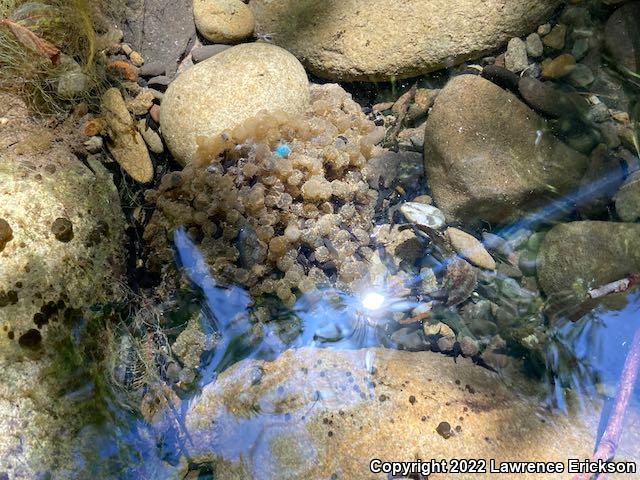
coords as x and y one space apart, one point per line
314 412
227 89
127 145
470 248
223 21
373 40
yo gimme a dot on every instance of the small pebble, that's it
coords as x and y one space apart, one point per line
581 76
154 111
444 430
151 137
438 329
469 347
423 214
580 48
6 233
160 82
152 69
207 51
534 45
62 229
559 67
544 29
94 144
136 59
556 38
516 57
470 248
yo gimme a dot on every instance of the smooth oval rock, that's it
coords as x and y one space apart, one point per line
351 40
423 214
490 157
223 21
318 414
470 248
227 89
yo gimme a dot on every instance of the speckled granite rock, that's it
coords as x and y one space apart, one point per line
320 414
490 157
227 89
351 40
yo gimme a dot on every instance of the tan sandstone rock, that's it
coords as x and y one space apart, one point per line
227 89
321 413
373 40
223 21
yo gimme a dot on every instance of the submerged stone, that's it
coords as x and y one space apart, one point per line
321 412
489 157
578 256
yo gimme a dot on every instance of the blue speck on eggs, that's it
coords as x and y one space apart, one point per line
283 150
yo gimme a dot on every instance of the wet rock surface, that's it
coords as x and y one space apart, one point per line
161 31
315 414
203 102
488 156
360 40
578 256
622 36
62 232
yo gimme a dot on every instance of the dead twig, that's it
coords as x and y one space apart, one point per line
610 439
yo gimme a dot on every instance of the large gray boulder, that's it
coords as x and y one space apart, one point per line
490 157
320 414
381 40
227 89
579 256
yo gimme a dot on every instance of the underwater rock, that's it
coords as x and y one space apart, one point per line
151 137
318 413
204 52
516 57
223 21
127 145
278 204
227 89
63 251
628 199
351 40
622 36
470 248
489 157
423 214
578 256
534 45
559 67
